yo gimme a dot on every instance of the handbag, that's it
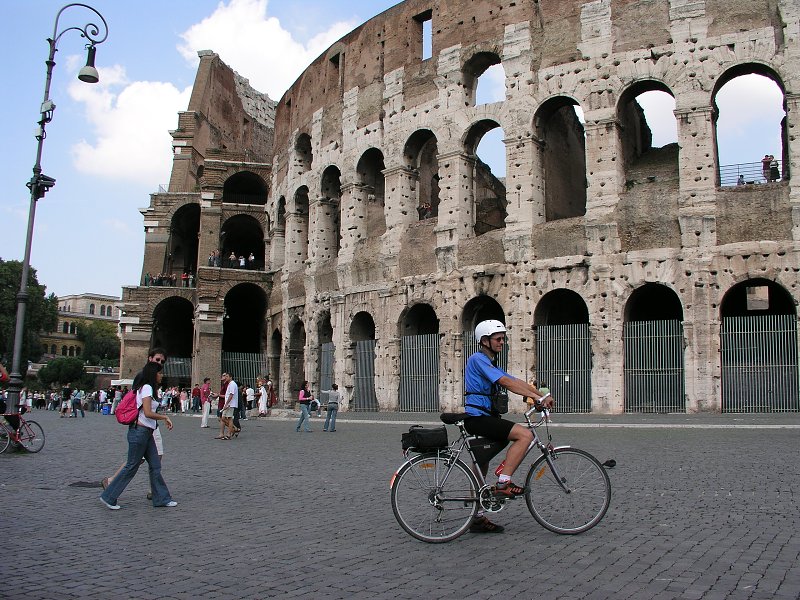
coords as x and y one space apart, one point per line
420 439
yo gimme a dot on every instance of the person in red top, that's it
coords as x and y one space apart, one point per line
205 398
196 398
3 374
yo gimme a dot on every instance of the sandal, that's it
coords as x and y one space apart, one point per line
508 490
484 525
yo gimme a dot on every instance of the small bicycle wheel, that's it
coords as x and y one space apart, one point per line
433 502
577 505
31 436
5 438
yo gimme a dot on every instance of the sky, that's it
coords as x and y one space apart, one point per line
108 145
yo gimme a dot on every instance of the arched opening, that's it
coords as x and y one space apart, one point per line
563 158
484 79
298 236
65 327
184 239
481 308
564 350
243 319
64 351
653 339
102 310
241 238
244 188
758 342
750 118
488 190
362 338
303 155
173 330
53 349
419 359
420 155
297 358
370 175
73 328
326 354
328 225
72 351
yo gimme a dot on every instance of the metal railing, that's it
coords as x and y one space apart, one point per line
751 173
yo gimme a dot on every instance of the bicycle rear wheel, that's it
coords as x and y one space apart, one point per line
5 438
432 503
580 503
31 436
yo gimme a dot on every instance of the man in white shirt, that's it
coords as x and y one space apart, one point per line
231 403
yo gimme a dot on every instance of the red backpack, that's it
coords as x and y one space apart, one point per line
127 412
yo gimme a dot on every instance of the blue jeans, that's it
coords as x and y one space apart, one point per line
304 417
331 418
140 445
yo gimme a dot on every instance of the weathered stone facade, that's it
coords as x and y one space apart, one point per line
587 216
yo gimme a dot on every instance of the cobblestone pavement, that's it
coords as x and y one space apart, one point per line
703 506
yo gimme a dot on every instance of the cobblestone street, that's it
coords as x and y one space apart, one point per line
702 507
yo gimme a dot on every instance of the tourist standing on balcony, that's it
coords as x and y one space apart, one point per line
765 166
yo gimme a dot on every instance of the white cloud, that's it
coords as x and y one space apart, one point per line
659 112
748 100
131 126
491 85
256 45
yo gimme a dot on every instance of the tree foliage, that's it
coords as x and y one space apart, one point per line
100 341
61 370
41 313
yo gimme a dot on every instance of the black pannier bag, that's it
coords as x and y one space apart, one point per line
421 439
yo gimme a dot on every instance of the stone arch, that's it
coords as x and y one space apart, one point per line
636 137
654 350
779 171
328 218
420 154
757 295
304 156
240 236
563 158
173 327
473 69
245 187
362 352
184 239
488 191
369 172
245 307
418 319
418 329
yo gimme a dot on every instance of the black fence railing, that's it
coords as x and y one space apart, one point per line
749 173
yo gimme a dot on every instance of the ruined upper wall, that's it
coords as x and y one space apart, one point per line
561 32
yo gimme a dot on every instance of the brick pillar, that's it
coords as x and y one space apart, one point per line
456 207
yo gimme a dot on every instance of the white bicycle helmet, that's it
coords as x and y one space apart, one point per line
489 328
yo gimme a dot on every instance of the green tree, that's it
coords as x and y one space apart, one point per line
100 342
61 371
41 313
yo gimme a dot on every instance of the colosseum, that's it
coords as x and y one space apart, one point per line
349 232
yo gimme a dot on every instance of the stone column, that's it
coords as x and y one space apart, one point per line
297 242
605 173
353 218
207 352
525 196
277 249
456 207
698 176
400 209
791 167
323 238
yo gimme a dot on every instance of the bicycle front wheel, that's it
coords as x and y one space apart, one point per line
576 504
31 436
433 501
5 438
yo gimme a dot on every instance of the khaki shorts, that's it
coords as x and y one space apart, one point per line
227 413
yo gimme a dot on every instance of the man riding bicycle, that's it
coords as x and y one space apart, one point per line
484 382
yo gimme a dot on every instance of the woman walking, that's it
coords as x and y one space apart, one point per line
304 399
142 445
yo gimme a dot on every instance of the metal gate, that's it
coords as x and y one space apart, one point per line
759 364
364 398
654 381
564 363
325 370
244 367
471 347
419 373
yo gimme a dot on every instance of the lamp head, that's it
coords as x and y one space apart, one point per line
89 74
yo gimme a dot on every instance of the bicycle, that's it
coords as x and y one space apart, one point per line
435 495
28 434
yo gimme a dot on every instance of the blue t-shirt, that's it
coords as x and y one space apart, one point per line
479 376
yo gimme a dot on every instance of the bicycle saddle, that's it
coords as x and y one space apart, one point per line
452 418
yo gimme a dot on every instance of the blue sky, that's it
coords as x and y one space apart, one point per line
108 145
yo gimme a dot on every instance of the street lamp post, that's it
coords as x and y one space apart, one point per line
41 183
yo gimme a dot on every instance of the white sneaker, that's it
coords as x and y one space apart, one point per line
171 503
111 506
